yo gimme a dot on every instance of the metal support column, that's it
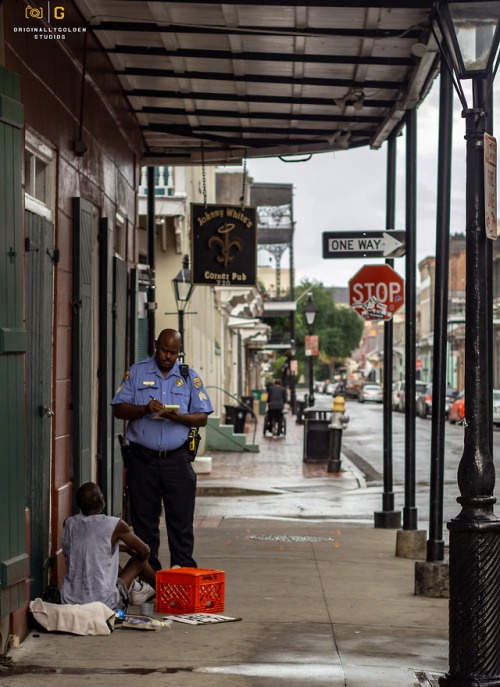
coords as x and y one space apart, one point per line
410 542
292 377
435 543
388 517
475 531
151 236
410 510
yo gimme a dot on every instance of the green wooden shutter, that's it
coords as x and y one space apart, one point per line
39 313
138 317
14 561
120 291
82 341
134 285
106 363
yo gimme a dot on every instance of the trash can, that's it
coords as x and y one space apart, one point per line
263 403
247 401
316 435
240 414
229 414
301 406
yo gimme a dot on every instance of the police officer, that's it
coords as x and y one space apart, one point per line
160 462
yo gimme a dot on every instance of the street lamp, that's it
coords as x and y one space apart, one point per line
183 290
310 311
469 41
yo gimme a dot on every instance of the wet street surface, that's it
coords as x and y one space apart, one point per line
276 482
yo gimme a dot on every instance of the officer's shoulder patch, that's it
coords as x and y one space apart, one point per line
119 388
197 383
126 375
202 396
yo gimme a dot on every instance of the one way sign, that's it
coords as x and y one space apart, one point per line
363 244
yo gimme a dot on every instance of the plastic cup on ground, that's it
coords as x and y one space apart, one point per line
147 609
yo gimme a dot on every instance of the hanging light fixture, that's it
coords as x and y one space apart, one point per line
182 286
471 33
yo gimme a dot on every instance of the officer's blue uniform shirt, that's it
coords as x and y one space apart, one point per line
145 381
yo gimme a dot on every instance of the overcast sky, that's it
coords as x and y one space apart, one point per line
346 191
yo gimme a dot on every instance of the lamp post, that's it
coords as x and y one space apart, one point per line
470 35
183 290
310 311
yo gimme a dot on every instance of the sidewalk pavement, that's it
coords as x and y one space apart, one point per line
322 603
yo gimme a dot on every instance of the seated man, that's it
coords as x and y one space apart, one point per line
90 544
276 399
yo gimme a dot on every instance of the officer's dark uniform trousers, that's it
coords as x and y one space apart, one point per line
166 476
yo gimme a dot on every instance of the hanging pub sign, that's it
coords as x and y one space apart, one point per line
224 245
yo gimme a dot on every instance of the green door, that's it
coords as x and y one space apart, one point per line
39 312
120 291
106 364
14 561
82 342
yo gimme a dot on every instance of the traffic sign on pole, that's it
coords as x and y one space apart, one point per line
376 292
490 186
363 244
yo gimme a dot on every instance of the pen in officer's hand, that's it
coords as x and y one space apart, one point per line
153 398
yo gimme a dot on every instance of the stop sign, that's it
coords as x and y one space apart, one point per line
376 292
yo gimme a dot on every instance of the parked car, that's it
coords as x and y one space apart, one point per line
371 392
352 388
457 409
398 394
423 404
398 389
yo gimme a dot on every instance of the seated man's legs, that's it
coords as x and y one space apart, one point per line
136 567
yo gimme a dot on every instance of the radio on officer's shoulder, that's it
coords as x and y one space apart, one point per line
194 437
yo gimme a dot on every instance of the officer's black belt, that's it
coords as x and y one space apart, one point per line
149 453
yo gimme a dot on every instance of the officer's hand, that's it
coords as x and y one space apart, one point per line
172 414
154 406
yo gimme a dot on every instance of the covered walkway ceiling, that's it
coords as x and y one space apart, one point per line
264 78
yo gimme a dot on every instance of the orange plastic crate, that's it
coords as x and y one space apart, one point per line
189 590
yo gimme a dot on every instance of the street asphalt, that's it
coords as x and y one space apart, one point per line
319 601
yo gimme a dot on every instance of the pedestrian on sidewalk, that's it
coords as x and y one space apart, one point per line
91 547
162 400
276 399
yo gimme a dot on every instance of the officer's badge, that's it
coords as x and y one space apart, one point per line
126 376
197 383
179 382
202 396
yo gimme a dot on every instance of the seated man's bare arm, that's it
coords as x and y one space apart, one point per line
133 545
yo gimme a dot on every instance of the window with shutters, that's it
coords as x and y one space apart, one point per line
39 177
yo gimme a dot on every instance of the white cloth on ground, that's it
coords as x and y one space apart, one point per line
80 619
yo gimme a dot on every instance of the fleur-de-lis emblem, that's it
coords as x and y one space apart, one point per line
226 244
